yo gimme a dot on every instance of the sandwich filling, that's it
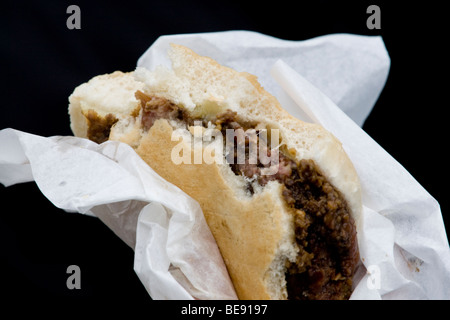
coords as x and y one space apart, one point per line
325 231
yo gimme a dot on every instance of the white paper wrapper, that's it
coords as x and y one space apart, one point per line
402 239
166 228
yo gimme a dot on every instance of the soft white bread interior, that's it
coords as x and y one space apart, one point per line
106 94
254 233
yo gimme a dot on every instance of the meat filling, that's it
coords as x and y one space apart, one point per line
154 108
99 127
325 231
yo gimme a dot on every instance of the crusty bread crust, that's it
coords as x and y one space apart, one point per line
248 230
255 234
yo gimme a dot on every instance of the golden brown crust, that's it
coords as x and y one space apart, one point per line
247 231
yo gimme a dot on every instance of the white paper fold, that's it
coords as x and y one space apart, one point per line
402 239
164 226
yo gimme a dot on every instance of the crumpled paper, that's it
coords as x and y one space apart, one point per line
403 245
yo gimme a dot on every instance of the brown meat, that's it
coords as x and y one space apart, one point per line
325 230
99 127
154 108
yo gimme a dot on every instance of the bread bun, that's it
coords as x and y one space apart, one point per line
257 232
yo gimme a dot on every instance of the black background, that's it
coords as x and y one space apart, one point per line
43 61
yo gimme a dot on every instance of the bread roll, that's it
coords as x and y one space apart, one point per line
288 235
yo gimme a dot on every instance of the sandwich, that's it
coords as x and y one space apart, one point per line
281 196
